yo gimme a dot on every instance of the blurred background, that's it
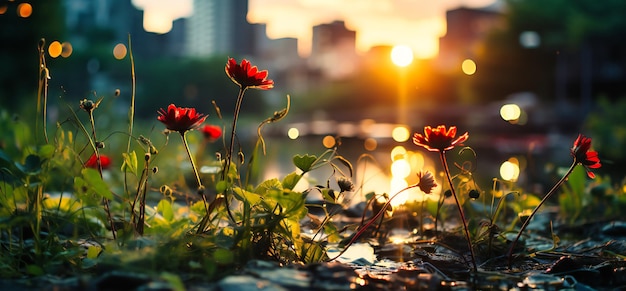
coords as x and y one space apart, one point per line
523 77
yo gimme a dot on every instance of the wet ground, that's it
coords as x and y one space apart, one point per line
402 260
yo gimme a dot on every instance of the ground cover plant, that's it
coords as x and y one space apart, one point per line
66 208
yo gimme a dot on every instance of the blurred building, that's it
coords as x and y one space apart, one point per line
117 18
219 27
333 50
466 32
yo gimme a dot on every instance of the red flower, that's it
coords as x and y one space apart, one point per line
584 156
427 181
180 119
248 76
211 132
92 162
439 139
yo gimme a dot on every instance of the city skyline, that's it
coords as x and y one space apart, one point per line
417 24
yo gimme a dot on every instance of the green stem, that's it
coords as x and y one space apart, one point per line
458 205
105 201
131 110
545 198
195 171
229 153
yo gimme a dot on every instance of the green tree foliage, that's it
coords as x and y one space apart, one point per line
567 30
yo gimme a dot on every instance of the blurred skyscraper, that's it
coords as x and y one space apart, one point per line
334 50
219 27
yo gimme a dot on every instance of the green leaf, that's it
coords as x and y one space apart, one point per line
34 270
291 180
221 186
130 162
95 182
5 160
304 162
291 202
223 256
313 253
165 207
174 281
271 186
46 151
93 252
32 165
243 195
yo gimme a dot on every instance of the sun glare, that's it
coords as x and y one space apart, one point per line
401 55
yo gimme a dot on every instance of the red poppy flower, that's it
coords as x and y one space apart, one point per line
92 162
439 139
584 156
180 119
427 181
211 132
248 76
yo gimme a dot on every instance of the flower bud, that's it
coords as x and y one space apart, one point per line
87 105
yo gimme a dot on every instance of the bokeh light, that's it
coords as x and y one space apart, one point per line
328 141
417 160
400 133
401 55
24 10
3 8
370 144
510 112
469 67
397 184
54 49
529 39
293 133
119 51
400 168
510 170
398 152
67 49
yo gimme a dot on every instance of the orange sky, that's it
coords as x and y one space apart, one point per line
416 23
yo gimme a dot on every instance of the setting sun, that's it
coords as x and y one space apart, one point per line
401 55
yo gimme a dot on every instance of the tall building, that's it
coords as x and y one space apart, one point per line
466 31
219 27
333 50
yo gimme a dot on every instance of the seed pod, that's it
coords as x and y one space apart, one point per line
474 194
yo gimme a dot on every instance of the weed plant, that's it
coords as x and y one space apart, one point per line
68 207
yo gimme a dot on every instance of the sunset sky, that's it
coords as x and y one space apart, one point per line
416 23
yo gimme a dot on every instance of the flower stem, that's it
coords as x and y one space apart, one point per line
545 198
195 171
458 205
105 201
365 226
229 153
